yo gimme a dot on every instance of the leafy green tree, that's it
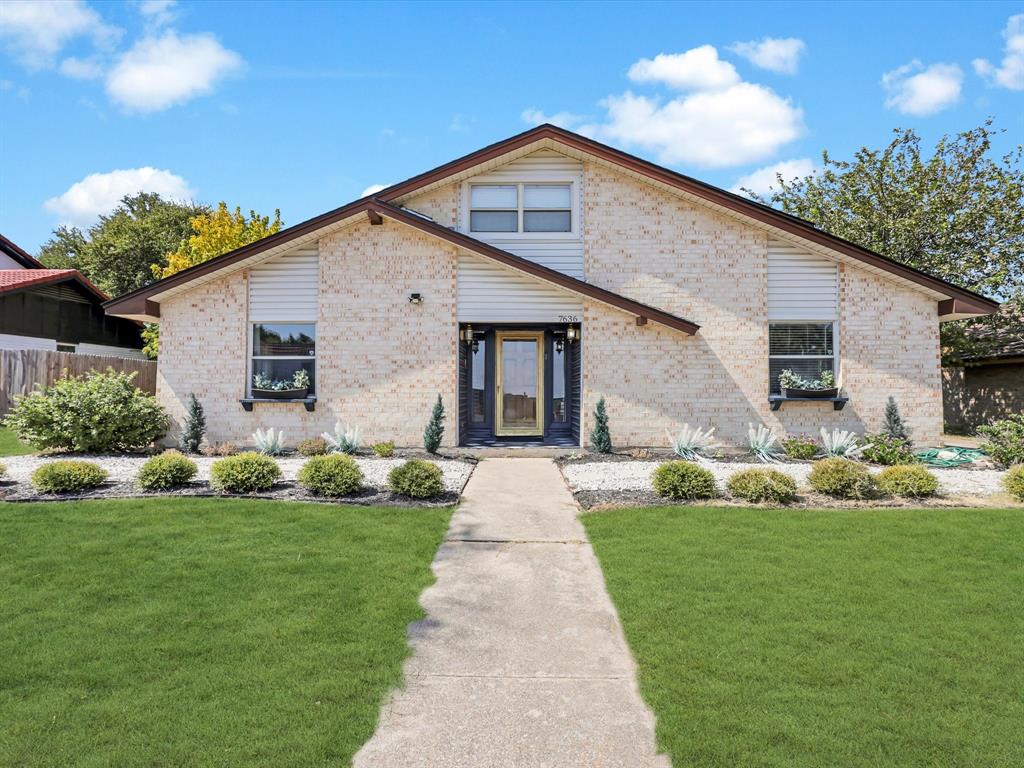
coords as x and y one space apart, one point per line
956 213
64 248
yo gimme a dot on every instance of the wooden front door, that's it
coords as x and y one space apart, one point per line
519 379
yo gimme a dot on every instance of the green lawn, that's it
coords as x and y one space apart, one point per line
10 445
824 638
203 632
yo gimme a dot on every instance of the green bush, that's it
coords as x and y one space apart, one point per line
889 450
1014 483
762 485
384 450
801 447
65 475
684 480
909 480
416 478
244 473
336 474
1005 442
842 478
92 414
315 446
168 470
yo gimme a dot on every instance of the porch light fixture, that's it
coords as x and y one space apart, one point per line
572 333
467 335
415 298
559 343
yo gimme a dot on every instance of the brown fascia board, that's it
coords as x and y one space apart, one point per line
642 311
20 255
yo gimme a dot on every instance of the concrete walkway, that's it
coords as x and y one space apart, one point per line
521 659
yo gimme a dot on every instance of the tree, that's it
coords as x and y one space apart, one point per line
435 428
64 249
600 437
215 233
195 425
957 213
894 426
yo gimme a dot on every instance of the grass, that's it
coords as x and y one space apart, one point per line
203 632
813 638
10 445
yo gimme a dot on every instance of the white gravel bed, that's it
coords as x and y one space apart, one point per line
125 468
636 476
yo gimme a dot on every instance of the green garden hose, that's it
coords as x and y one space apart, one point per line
950 457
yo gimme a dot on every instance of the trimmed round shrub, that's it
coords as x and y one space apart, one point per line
761 485
336 474
842 478
1014 482
244 473
384 450
684 480
416 478
909 480
801 447
168 470
92 414
66 475
315 446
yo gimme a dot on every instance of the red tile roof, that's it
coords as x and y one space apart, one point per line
17 279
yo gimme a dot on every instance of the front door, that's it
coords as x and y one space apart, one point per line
519 377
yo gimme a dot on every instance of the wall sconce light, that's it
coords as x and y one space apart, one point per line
572 333
559 344
467 335
415 298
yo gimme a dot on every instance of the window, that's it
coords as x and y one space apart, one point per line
477 407
558 414
520 208
807 349
65 347
281 349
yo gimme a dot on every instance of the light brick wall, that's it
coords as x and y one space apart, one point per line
653 247
441 204
381 361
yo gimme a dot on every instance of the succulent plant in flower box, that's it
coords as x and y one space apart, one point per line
295 388
794 385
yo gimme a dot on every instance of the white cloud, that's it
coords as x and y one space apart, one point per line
81 69
914 89
696 69
159 72
159 12
778 54
764 180
1010 74
35 31
373 189
99 193
534 116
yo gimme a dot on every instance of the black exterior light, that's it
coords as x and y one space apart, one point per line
415 298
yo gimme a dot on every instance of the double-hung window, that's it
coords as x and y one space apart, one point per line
520 208
807 349
280 350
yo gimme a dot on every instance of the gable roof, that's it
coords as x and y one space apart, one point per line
12 280
955 301
19 254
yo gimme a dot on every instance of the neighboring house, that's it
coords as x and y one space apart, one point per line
987 387
57 309
527 280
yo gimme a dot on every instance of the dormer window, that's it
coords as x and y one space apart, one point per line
520 208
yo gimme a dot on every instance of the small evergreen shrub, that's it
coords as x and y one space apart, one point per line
762 485
416 478
801 447
894 426
315 446
600 436
244 473
1014 482
195 426
95 413
384 450
435 428
884 448
842 478
911 481
335 474
168 470
1005 440
65 476
683 480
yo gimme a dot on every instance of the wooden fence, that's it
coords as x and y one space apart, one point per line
22 369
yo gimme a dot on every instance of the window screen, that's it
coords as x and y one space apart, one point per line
807 349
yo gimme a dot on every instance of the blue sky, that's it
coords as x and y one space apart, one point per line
302 106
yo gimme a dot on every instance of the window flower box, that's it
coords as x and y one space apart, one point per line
280 394
791 392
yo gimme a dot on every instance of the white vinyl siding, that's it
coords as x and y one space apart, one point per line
286 288
801 285
489 292
109 351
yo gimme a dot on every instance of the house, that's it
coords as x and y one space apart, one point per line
527 280
58 310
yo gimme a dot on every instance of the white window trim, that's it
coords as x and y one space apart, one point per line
250 357
521 179
836 368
